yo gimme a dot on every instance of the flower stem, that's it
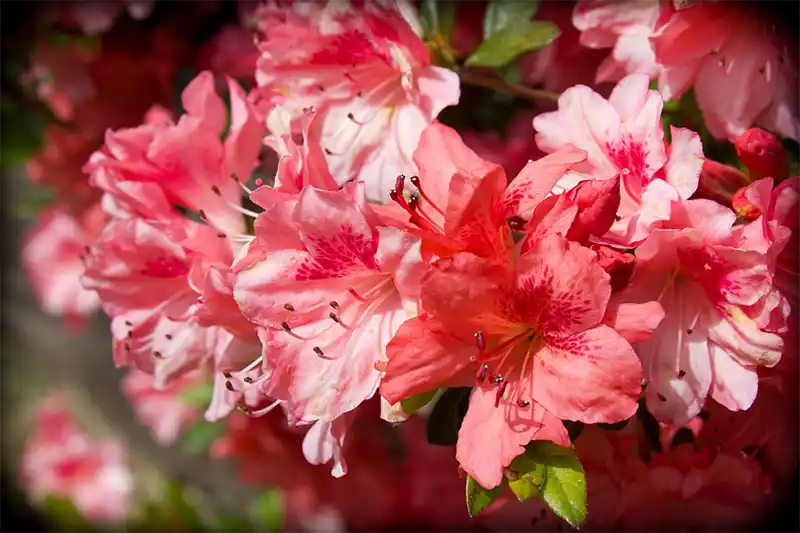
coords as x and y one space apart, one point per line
471 77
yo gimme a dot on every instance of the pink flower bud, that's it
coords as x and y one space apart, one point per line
762 154
743 206
719 182
619 265
597 201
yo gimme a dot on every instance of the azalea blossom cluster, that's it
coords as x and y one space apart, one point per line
600 271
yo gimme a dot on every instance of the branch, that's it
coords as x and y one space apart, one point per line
471 77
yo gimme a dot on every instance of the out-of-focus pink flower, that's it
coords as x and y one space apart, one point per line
53 252
680 489
367 73
512 150
332 288
742 72
231 52
517 333
624 136
625 27
162 411
63 460
723 312
95 17
762 154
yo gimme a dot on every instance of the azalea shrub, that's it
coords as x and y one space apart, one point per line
481 265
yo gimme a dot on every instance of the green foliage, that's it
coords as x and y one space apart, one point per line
199 395
63 513
418 401
554 474
446 416
199 437
268 511
23 128
479 498
506 44
438 17
501 14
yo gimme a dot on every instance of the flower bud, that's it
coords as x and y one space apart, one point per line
619 265
719 182
597 201
762 154
743 207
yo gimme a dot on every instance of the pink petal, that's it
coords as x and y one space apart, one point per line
685 161
634 322
537 179
735 386
561 287
199 99
603 370
423 356
491 437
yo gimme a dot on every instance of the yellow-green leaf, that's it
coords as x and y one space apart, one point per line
418 401
479 498
564 488
530 477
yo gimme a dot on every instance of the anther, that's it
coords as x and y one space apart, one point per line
318 351
523 403
285 326
228 375
497 378
158 355
482 373
689 331
480 341
334 304
333 317
168 337
128 323
235 177
500 391
328 152
221 235
398 183
681 373
288 307
201 214
230 386
247 379
216 190
617 217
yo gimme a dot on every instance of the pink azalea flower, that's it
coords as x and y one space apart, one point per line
723 313
517 334
187 160
140 271
63 460
368 74
624 136
461 202
329 288
162 411
52 256
762 154
625 27
741 70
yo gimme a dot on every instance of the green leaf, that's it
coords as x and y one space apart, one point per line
505 45
181 506
446 416
62 512
418 401
564 488
501 14
438 16
268 510
199 395
530 477
199 437
479 498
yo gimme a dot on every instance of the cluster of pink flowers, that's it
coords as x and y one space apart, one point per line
385 259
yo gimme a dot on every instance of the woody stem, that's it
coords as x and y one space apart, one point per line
472 77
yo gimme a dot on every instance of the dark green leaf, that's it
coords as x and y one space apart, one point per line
438 16
505 45
501 14
479 498
446 416
181 507
198 437
418 401
564 488
268 510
